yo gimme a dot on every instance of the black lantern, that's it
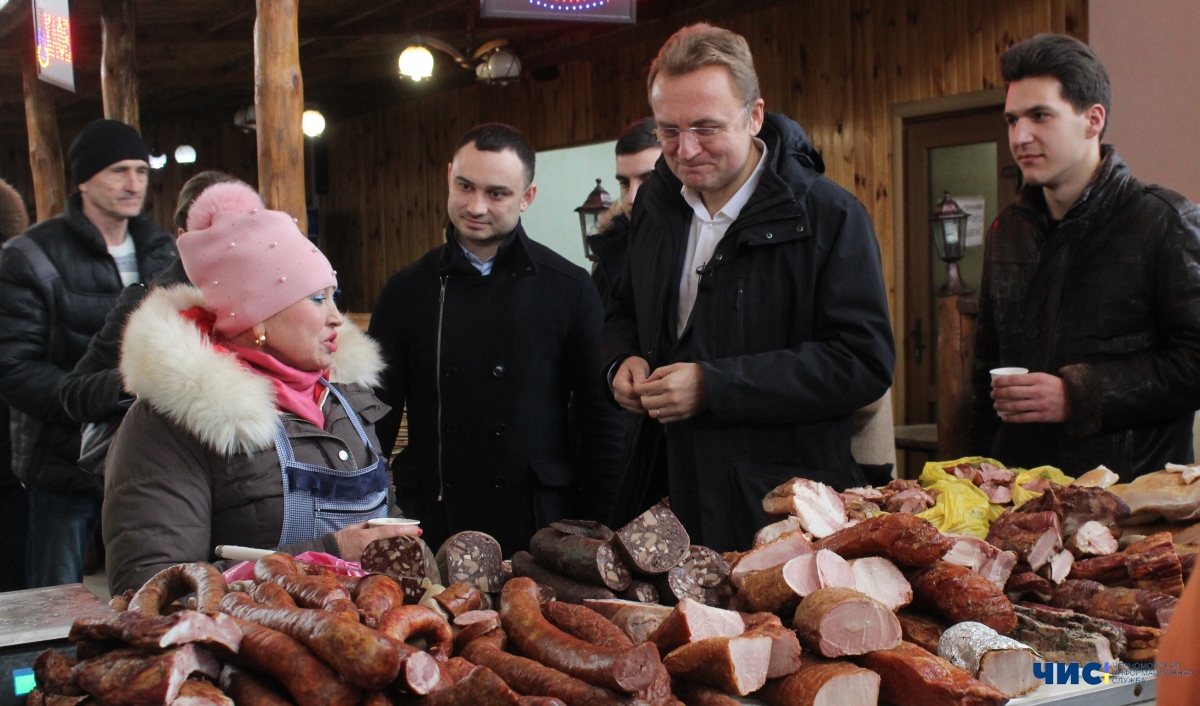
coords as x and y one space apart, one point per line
597 202
949 225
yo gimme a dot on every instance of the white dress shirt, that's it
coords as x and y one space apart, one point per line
706 231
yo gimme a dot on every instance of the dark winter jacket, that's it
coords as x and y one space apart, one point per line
36 354
93 391
194 465
790 328
487 367
1110 302
609 249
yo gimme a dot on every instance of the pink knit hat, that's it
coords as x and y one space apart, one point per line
251 263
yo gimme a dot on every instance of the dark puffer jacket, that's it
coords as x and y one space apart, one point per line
36 353
1109 301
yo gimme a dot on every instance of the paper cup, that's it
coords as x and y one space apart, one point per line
1002 372
385 521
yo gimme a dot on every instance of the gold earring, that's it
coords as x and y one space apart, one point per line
261 339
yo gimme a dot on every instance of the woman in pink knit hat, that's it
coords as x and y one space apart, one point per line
254 420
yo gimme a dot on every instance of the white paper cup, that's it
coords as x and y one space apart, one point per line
1003 372
385 521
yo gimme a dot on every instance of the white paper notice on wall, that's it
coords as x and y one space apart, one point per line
974 206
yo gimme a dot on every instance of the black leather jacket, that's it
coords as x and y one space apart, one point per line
1110 301
33 360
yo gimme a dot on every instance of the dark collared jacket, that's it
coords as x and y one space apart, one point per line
487 367
36 353
1110 301
790 327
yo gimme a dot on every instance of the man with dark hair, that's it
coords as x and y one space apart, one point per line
751 320
488 339
57 283
1091 281
637 151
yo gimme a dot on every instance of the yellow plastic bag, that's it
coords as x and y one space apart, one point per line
961 507
1022 495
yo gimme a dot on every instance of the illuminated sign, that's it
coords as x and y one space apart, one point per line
560 10
52 35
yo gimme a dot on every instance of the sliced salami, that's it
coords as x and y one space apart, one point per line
404 555
459 598
564 588
581 558
584 528
473 558
654 542
706 566
641 592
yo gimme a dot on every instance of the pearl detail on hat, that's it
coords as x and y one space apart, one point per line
233 245
334 272
296 220
282 280
216 283
275 244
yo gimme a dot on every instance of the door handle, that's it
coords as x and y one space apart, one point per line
918 340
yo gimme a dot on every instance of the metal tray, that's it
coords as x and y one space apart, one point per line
41 614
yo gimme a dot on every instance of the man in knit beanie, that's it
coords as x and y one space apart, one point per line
57 283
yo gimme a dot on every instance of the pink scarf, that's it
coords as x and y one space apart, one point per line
296 391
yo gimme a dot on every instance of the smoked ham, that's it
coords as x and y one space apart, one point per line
818 507
982 558
787 547
692 622
1000 662
785 646
1034 536
880 579
1092 539
737 665
775 530
781 587
956 593
823 682
840 621
906 539
911 676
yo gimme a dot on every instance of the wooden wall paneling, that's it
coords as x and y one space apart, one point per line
836 67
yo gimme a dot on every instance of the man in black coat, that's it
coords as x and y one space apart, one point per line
751 319
488 338
1091 281
100 244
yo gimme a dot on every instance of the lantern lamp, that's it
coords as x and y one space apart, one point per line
596 203
312 123
948 225
185 154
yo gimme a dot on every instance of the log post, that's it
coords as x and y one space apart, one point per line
118 66
45 147
279 108
957 316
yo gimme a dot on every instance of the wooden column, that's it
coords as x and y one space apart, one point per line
118 66
957 317
45 147
279 108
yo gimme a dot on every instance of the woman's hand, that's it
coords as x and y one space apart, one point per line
352 540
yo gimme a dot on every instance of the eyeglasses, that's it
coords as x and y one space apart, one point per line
701 134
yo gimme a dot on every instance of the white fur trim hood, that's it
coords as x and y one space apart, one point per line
168 362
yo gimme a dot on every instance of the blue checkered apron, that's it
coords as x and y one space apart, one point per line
318 500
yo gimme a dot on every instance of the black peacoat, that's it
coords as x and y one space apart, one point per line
487 367
790 327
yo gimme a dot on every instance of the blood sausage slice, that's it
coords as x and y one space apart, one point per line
840 621
471 557
653 542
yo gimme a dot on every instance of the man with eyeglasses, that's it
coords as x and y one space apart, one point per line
751 319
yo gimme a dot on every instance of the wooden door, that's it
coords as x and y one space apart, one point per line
981 139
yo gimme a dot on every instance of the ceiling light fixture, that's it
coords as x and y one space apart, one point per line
185 154
312 123
497 63
158 161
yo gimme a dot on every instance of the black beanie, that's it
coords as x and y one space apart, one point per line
101 144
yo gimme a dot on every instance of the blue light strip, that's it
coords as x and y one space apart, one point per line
569 7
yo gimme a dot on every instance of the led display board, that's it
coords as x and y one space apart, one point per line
52 37
562 10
